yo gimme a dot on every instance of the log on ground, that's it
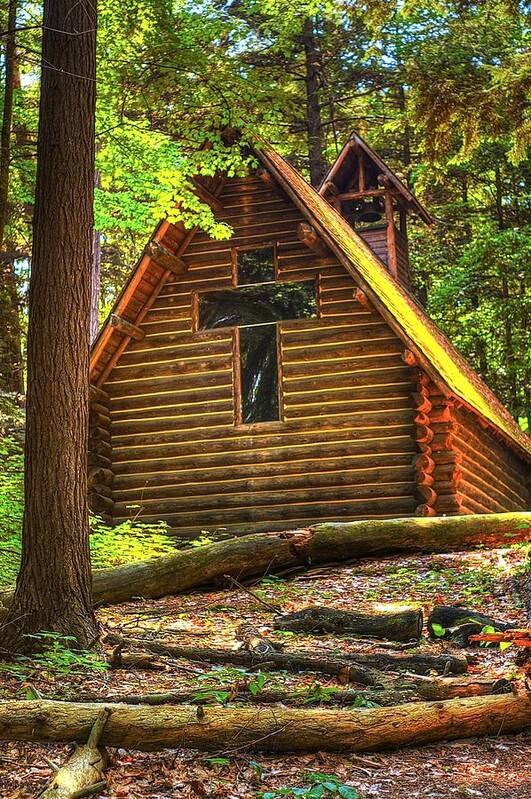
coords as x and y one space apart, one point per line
403 625
430 688
260 554
349 671
267 729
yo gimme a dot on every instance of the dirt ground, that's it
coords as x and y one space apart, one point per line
493 768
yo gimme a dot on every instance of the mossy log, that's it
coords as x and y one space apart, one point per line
404 625
267 729
83 773
249 556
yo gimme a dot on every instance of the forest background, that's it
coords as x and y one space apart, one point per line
440 89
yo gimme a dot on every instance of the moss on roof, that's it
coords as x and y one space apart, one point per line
450 365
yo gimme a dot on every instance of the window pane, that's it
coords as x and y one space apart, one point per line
254 305
256 266
259 374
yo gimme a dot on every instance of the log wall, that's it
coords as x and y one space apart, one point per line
475 472
345 445
100 473
364 433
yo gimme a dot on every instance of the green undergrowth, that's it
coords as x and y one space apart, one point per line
110 546
316 786
55 660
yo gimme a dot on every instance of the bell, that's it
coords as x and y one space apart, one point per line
368 210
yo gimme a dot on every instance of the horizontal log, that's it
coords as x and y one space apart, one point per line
98 395
179 455
502 499
496 471
258 554
164 258
156 370
282 434
100 475
396 505
126 328
298 406
100 504
309 236
379 357
431 688
404 625
363 377
204 485
244 472
94 461
350 671
198 381
198 349
271 499
273 730
96 433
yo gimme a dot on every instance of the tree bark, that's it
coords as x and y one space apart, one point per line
53 588
314 122
402 625
264 729
11 371
260 554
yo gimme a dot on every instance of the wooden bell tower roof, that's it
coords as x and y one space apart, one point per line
337 178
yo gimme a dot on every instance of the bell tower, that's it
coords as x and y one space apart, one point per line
375 202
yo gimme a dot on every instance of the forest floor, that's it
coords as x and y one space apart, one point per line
492 768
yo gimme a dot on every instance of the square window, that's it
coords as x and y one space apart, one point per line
256 266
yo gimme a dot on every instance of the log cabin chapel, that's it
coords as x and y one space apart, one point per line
289 375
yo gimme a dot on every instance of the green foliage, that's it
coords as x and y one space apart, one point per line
319 786
128 541
11 489
55 659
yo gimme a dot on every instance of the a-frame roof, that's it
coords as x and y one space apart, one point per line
433 350
356 142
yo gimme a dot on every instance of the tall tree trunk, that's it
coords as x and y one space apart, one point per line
53 589
96 271
11 374
507 324
314 126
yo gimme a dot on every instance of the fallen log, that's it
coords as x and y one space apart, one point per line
272 661
458 624
83 773
427 689
267 729
348 667
404 625
260 554
419 664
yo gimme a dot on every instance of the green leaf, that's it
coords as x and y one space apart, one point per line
348 792
505 645
438 630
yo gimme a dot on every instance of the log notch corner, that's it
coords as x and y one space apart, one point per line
100 473
423 463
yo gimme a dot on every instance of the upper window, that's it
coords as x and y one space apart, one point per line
256 266
255 306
